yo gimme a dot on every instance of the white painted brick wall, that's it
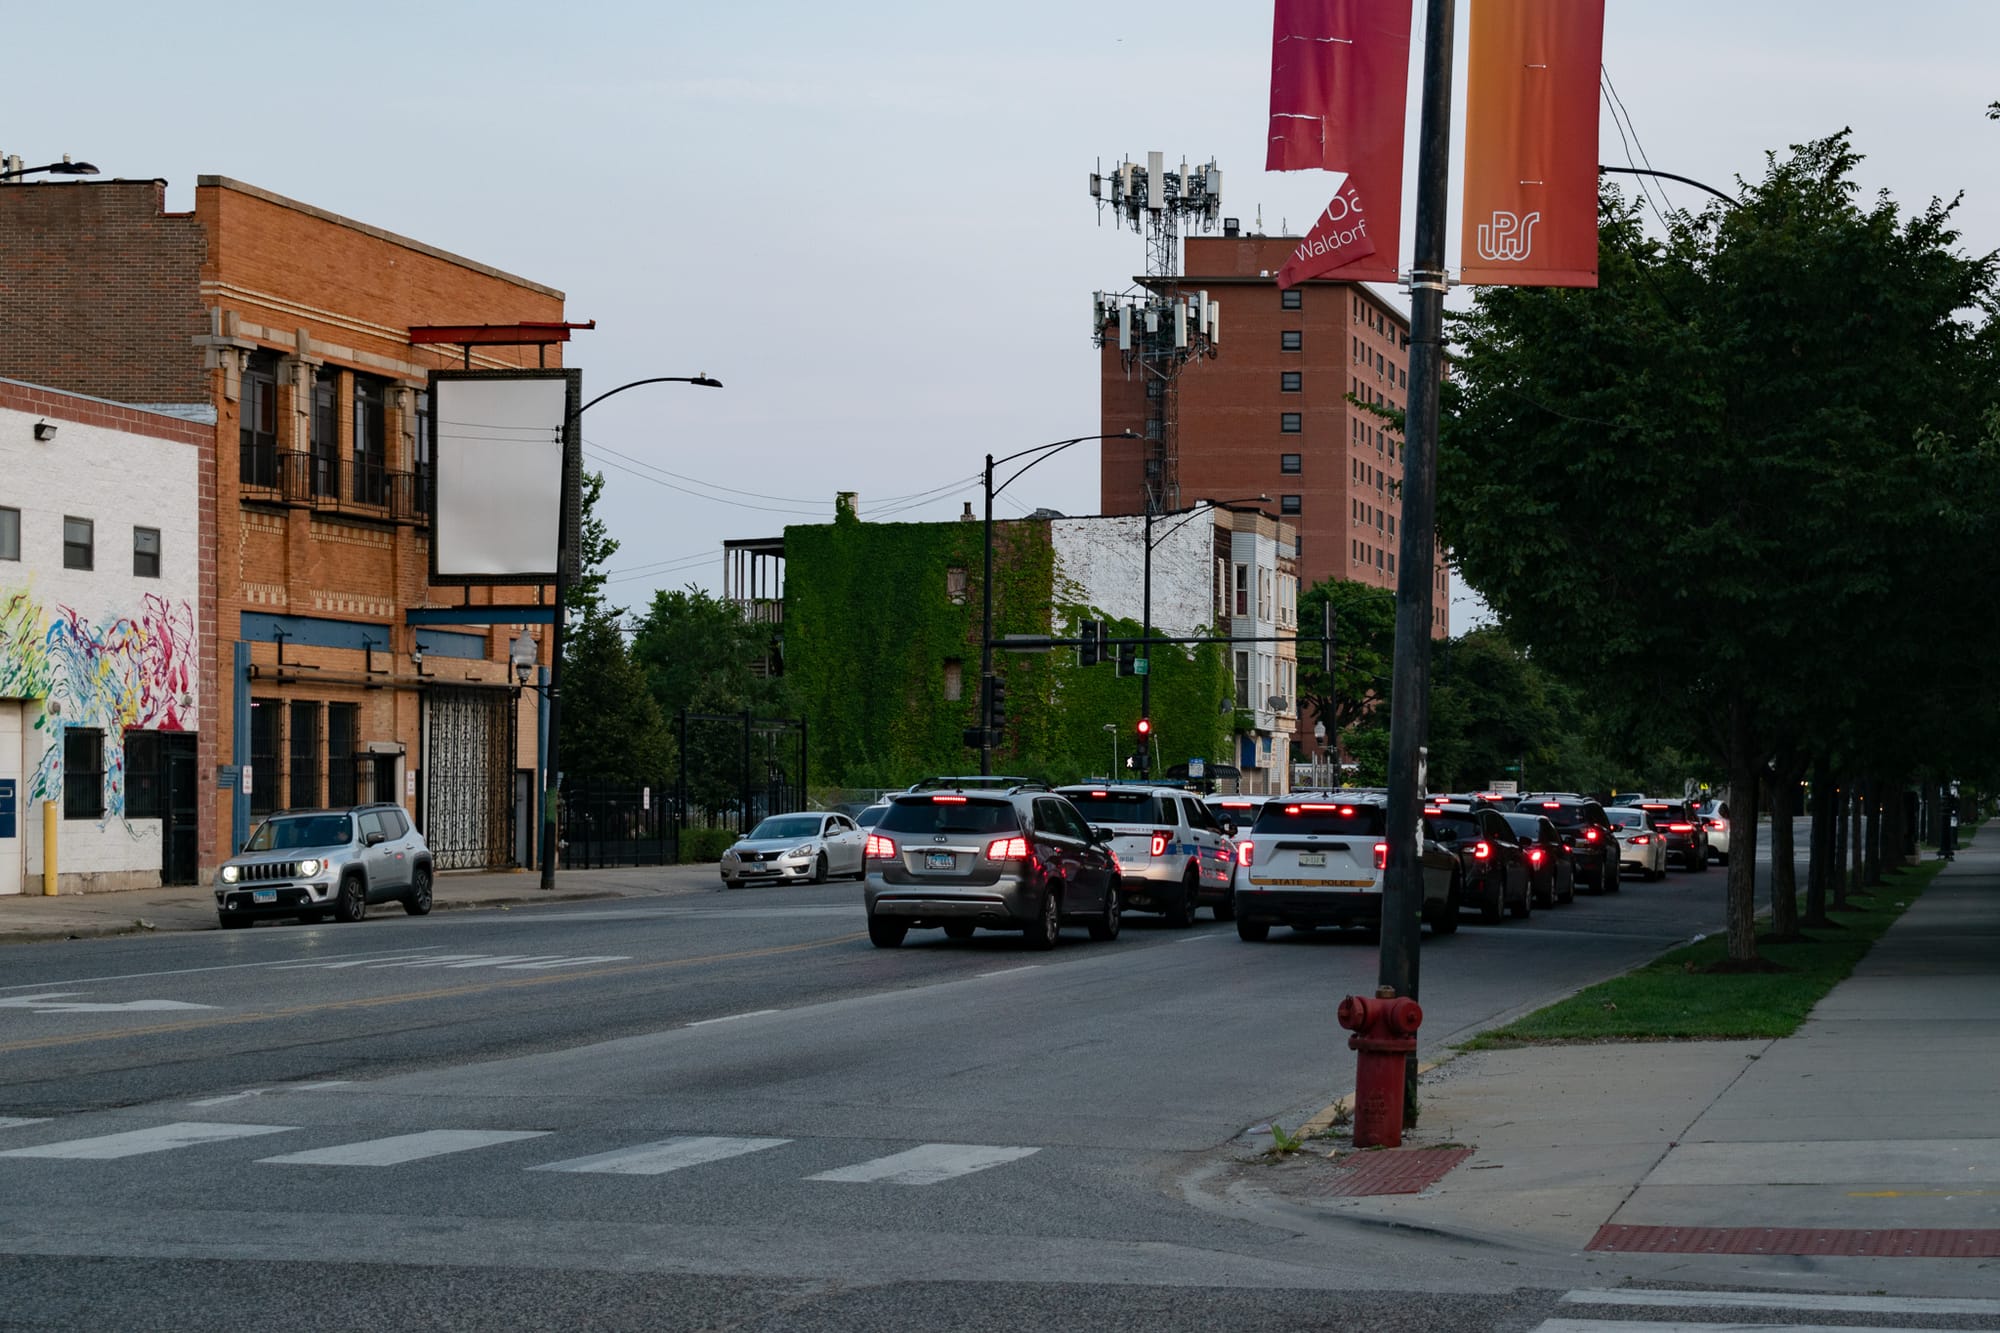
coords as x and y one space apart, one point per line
1100 562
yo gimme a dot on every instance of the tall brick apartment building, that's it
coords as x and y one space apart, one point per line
332 670
1270 413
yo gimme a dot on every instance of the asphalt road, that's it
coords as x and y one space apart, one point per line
725 1111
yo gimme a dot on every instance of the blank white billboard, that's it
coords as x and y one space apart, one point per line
498 468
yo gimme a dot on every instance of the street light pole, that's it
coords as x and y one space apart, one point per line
568 537
62 168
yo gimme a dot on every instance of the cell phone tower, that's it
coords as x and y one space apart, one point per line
1158 328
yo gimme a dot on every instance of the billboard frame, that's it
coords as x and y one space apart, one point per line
570 490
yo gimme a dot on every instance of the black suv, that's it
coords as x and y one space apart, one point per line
1593 843
1014 857
1493 864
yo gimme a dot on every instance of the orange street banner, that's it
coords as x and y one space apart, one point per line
1531 143
1340 77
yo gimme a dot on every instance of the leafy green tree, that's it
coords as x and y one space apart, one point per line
1492 714
611 726
697 652
1357 696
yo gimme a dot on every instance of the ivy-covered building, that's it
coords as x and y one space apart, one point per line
881 627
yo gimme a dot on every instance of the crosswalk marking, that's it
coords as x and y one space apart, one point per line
1785 1300
655 1159
160 1138
1630 1326
567 962
431 961
527 962
926 1165
9 1121
496 960
403 1148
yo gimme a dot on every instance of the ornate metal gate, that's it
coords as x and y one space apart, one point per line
468 778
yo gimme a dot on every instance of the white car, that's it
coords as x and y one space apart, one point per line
1317 859
1714 814
1641 847
1173 855
807 847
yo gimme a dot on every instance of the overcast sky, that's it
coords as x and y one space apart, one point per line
871 222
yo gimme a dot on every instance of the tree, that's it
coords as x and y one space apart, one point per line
1364 653
611 726
1492 715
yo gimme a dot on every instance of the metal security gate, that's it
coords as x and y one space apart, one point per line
469 778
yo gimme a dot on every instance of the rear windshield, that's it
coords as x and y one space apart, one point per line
1528 826
1121 807
949 814
1306 817
1562 815
1626 816
1464 825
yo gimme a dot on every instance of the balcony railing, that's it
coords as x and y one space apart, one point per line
300 479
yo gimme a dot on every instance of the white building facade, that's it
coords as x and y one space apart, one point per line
103 637
1257 571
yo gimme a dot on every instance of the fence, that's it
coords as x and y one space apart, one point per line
618 824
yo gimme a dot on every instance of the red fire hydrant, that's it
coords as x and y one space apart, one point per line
1385 1032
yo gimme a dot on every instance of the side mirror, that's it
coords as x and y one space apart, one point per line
1099 833
369 840
1228 828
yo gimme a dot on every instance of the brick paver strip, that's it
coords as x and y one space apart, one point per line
1905 1243
1392 1171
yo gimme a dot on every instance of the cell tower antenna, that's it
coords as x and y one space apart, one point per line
1159 328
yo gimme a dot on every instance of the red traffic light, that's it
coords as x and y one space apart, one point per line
1145 727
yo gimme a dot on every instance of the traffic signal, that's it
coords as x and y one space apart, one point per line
1128 659
996 702
1145 729
1087 648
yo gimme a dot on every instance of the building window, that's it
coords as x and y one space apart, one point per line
79 543
304 791
325 435
10 533
1291 381
1242 602
83 773
370 442
343 740
143 799
1392 562
257 424
1291 340
955 584
954 680
423 458
1289 504
265 722
1292 298
1291 423
1291 464
1242 677
146 553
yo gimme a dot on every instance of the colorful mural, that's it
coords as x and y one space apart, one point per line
139 671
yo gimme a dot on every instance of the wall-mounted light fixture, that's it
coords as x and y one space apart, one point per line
45 431
417 660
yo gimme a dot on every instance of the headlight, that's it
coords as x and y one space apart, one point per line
803 849
229 874
308 868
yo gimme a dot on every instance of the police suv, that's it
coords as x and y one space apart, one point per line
1316 859
1173 854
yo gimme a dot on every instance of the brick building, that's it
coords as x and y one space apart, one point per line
339 672
1269 414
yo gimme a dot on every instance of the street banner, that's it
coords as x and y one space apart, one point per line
1531 143
1340 77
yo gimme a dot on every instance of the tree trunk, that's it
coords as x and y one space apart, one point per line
1744 768
1784 873
1819 874
1872 861
1857 816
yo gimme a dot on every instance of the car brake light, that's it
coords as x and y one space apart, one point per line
1552 805
1535 855
1007 849
1346 812
1381 856
1680 828
1160 837
880 848
1719 825
1243 852
1482 850
1641 840
1099 795
1590 835
947 800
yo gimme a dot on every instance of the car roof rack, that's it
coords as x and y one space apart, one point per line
993 782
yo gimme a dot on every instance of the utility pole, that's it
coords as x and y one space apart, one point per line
1409 716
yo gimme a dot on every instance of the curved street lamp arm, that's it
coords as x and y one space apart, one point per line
1050 451
1199 507
702 380
1685 180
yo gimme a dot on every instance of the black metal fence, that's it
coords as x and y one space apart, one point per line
617 824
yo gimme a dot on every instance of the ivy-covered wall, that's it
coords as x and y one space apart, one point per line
870 623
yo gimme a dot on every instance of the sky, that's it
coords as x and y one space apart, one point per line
872 223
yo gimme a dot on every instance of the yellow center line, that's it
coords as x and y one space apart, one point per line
440 993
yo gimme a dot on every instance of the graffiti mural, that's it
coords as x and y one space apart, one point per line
140 671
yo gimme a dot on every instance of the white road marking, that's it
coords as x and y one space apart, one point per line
321 1085
229 1097
401 1148
1007 971
927 1165
568 962
1629 1326
433 960
656 1159
498 959
9 1121
62 1002
730 1018
160 1138
195 971
1787 1300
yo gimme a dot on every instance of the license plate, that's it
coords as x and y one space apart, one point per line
939 861
1312 858
264 896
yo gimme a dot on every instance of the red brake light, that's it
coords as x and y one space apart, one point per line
1243 852
1590 834
1381 856
1719 825
1535 855
1482 850
880 848
1160 837
1236 805
1291 809
1347 812
1680 828
1641 840
1552 805
1007 849
947 800
1099 795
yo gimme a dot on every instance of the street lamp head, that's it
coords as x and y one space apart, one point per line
521 656
705 382
69 168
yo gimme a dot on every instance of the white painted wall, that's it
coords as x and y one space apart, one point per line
1100 563
103 647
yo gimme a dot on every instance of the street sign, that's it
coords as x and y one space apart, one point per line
1138 666
1197 767
1508 788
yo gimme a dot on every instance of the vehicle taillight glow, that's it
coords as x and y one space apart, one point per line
1590 835
880 848
1482 851
1243 852
1552 805
1641 840
947 800
1680 828
1099 795
1007 849
1381 856
1535 855
1160 837
1719 825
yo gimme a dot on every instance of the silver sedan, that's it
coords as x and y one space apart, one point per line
790 848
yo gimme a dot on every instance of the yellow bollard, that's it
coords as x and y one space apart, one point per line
48 849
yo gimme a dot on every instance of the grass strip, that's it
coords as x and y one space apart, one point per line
1677 997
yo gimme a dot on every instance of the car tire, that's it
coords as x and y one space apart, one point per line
1521 910
1608 882
1543 900
1108 924
887 932
232 920
819 869
1491 908
1252 932
1181 915
417 902
1043 932
958 930
350 902
1226 909
1655 876
1445 922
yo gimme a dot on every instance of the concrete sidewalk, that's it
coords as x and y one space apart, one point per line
26 917
1874 1131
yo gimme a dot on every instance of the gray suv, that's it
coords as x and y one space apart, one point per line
1017 858
312 863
